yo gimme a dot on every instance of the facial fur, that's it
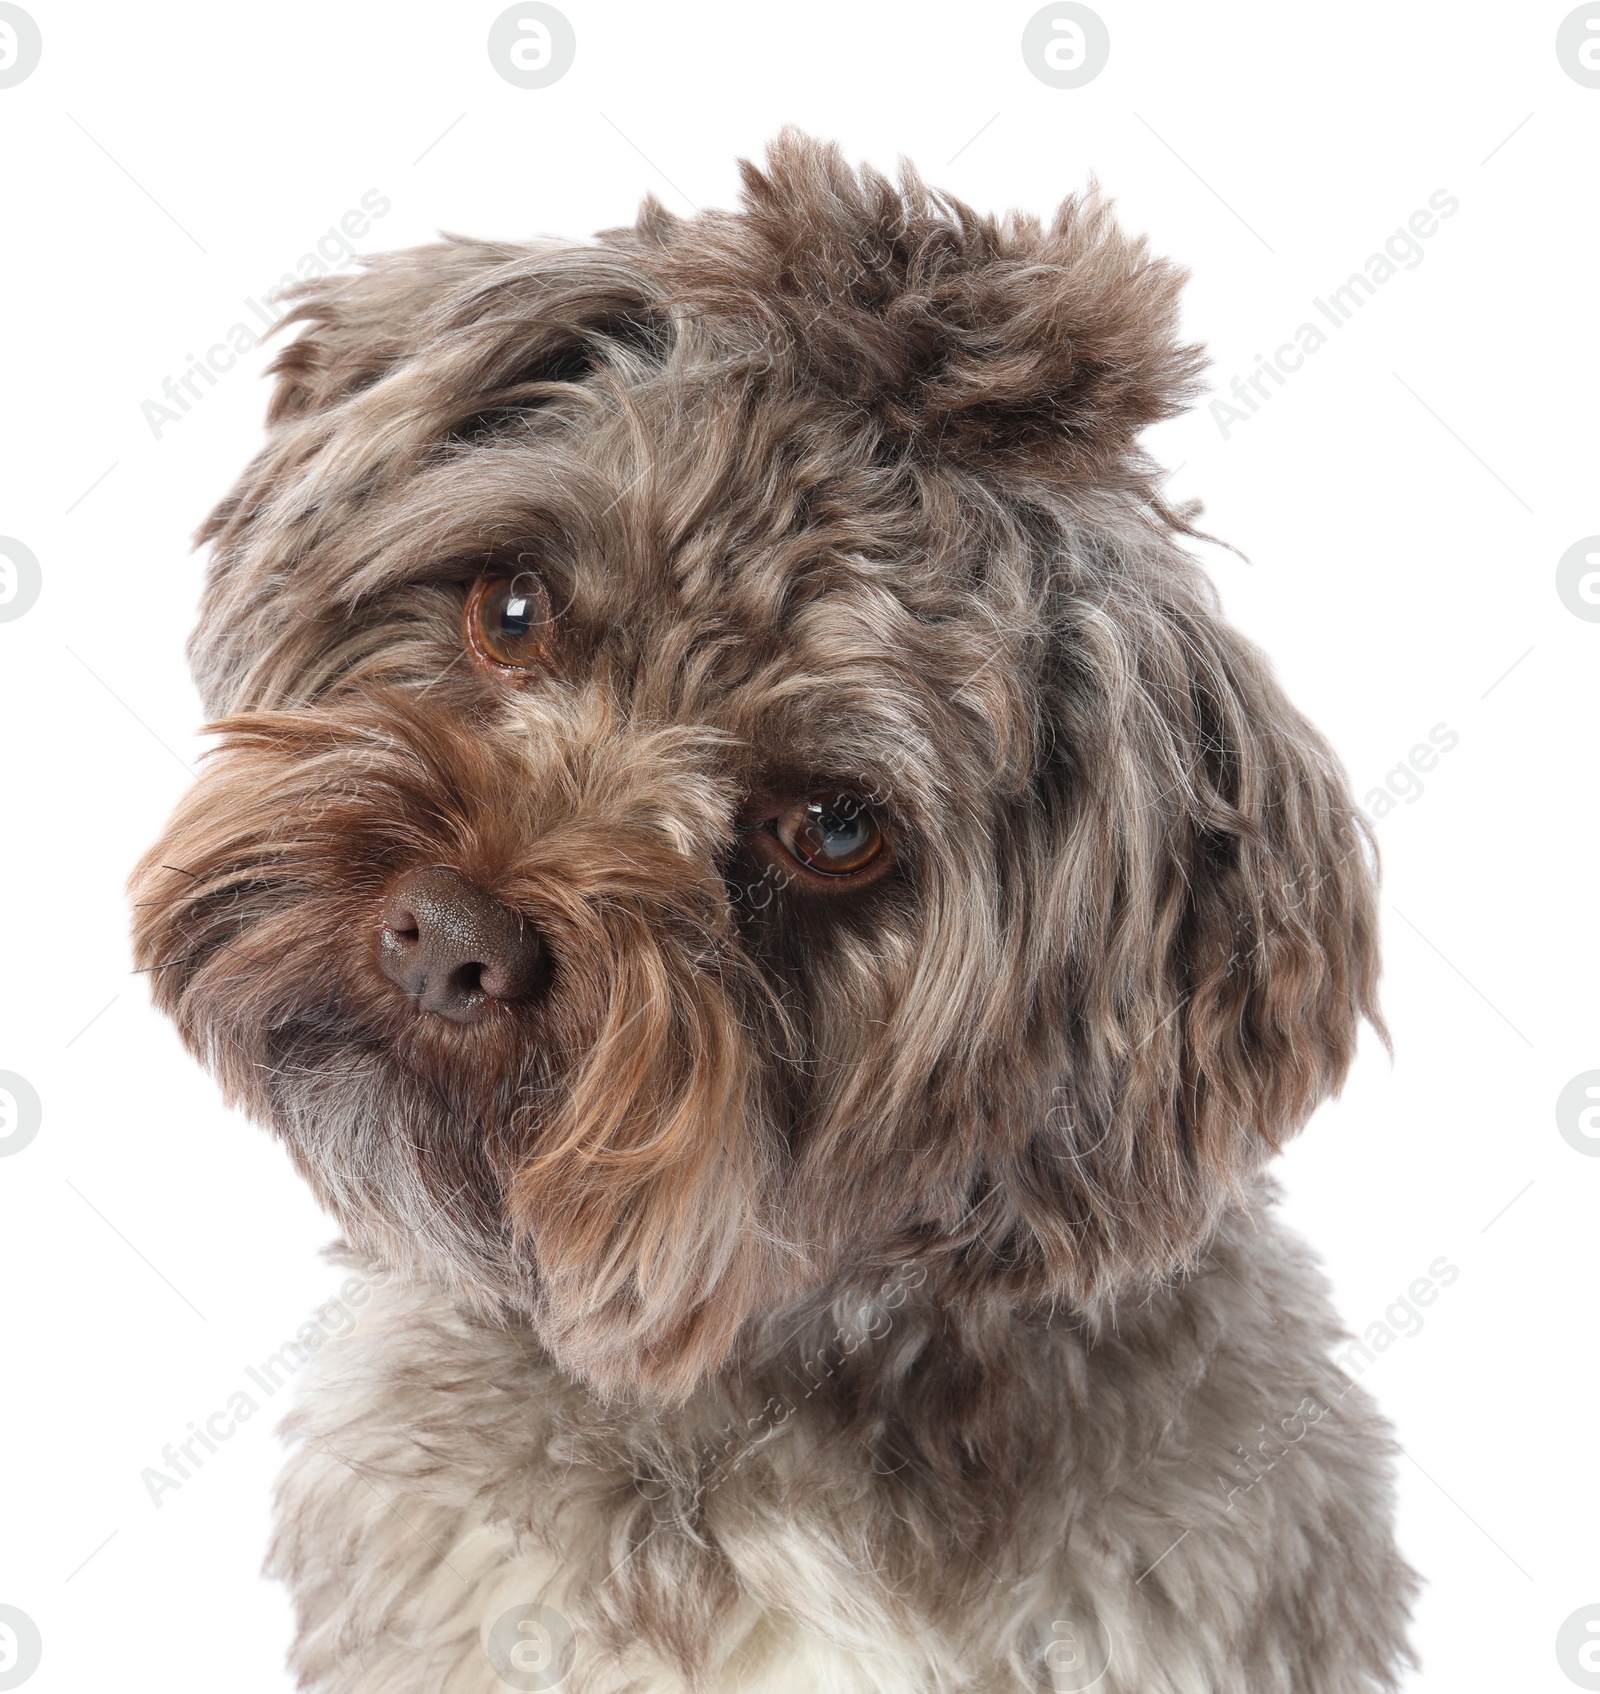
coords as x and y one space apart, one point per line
837 494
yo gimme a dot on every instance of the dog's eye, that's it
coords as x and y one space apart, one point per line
508 621
833 834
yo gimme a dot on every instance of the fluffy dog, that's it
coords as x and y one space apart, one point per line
749 874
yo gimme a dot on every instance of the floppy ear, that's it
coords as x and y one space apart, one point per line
398 367
1207 902
1000 344
438 337
360 324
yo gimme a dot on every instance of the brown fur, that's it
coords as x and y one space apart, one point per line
842 488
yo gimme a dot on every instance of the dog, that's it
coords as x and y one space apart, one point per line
747 870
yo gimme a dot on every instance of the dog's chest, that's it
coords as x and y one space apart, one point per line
460 1518
508 1531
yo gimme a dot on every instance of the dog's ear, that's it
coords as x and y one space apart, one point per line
354 328
1205 891
503 312
428 345
357 325
992 342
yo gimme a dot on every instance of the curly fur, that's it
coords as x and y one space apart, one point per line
843 487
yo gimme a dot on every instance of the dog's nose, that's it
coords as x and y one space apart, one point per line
454 948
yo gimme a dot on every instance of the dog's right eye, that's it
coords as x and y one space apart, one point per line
507 622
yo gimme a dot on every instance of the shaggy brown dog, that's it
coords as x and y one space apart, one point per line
747 870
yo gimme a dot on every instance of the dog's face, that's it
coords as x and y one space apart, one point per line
726 776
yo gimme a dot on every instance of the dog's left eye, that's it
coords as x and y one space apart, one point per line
832 834
507 621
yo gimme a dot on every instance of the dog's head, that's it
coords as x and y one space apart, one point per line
726 775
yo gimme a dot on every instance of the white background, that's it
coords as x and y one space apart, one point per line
1402 501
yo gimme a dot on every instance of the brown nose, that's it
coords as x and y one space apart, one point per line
453 948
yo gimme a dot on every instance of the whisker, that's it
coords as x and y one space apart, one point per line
166 964
308 1070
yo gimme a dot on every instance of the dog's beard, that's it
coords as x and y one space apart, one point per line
603 1157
